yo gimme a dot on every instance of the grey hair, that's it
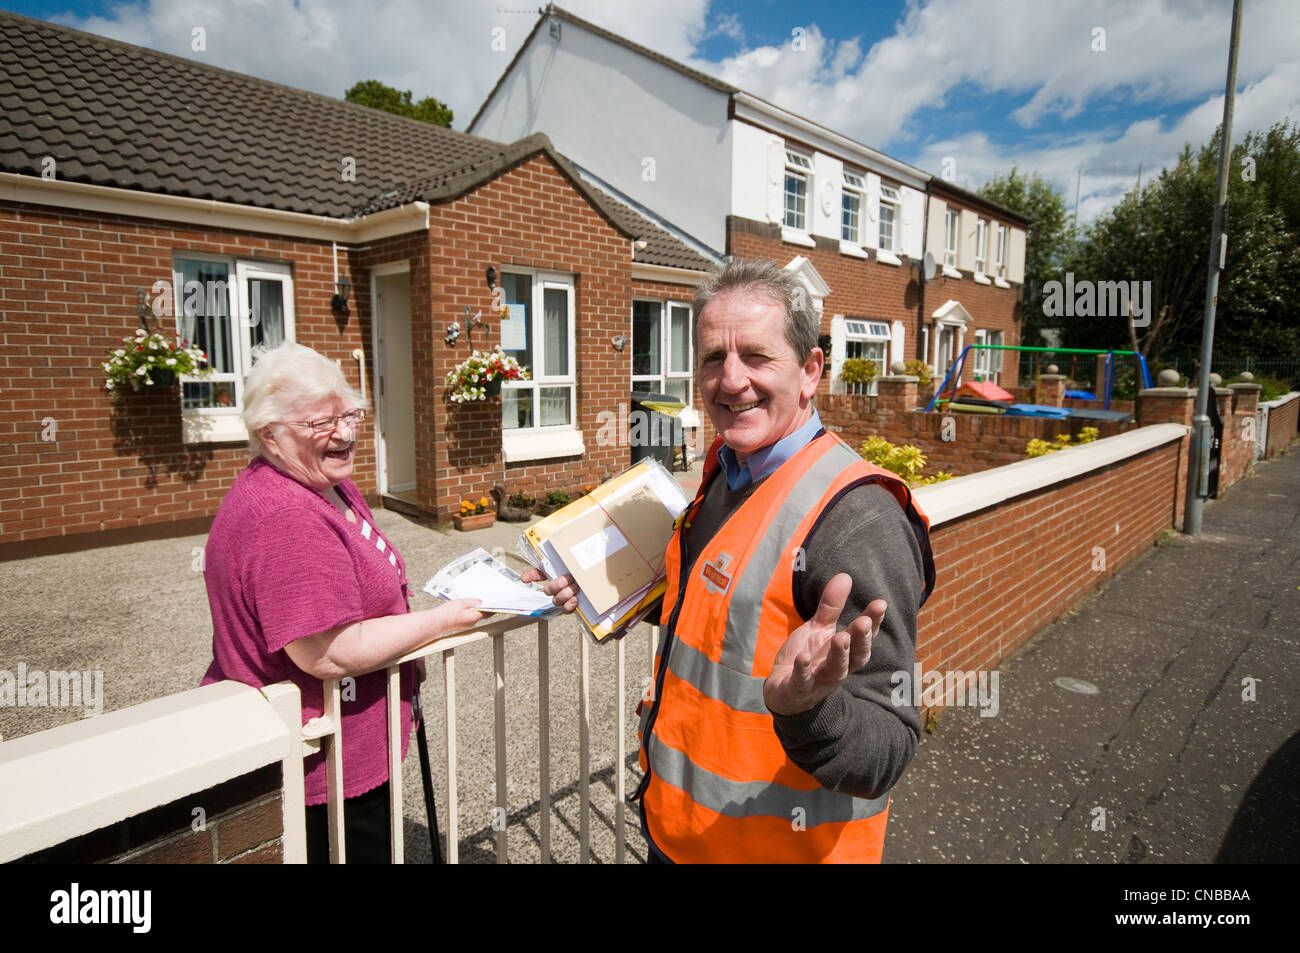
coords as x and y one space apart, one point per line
767 279
285 378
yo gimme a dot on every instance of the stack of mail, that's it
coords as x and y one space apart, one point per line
612 541
480 575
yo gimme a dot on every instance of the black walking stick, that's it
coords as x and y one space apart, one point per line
430 811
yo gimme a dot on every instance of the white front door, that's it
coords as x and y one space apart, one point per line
394 390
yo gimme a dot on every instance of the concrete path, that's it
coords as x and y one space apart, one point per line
1189 750
1184 768
138 614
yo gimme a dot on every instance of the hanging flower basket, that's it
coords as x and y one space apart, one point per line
479 376
151 362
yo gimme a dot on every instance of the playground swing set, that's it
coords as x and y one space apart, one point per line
953 378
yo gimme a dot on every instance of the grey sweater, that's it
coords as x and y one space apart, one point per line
856 741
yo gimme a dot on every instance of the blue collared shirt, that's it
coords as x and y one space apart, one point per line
763 462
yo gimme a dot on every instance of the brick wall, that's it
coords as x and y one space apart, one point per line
1282 425
68 283
240 821
530 217
1005 572
979 441
1237 407
872 289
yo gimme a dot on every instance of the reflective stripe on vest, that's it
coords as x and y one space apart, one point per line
721 786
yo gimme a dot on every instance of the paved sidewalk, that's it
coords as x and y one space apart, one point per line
1184 768
138 614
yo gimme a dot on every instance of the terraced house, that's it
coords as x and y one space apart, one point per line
130 179
731 173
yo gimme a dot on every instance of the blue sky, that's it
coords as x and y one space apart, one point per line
987 83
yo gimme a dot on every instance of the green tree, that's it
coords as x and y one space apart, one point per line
1047 239
1257 309
376 95
1161 234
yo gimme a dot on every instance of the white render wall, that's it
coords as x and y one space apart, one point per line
651 132
758 173
935 237
663 139
758 185
913 215
1016 256
824 195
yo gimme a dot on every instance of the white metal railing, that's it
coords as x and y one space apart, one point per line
330 726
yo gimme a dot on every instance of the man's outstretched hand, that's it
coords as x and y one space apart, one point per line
562 590
816 658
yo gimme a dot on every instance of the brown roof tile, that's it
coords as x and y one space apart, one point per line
662 246
123 116
209 133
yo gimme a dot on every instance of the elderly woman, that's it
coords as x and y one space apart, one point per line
303 586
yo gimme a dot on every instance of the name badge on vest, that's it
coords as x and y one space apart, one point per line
715 580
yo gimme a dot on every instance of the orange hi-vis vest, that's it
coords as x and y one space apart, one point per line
719 787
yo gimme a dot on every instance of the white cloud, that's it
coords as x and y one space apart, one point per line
729 25
1110 163
1153 53
1035 58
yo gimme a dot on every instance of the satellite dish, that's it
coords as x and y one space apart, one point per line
927 267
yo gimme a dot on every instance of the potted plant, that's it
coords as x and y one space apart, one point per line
857 370
479 376
920 370
474 515
555 500
515 508
151 361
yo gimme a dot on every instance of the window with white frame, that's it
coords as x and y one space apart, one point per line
798 172
1002 251
888 218
851 208
866 340
539 333
988 364
951 229
661 349
981 245
227 307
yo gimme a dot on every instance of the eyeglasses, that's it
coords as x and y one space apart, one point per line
353 418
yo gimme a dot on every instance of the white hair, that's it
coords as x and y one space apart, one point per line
285 378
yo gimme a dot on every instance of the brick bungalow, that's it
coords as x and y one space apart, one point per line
127 174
